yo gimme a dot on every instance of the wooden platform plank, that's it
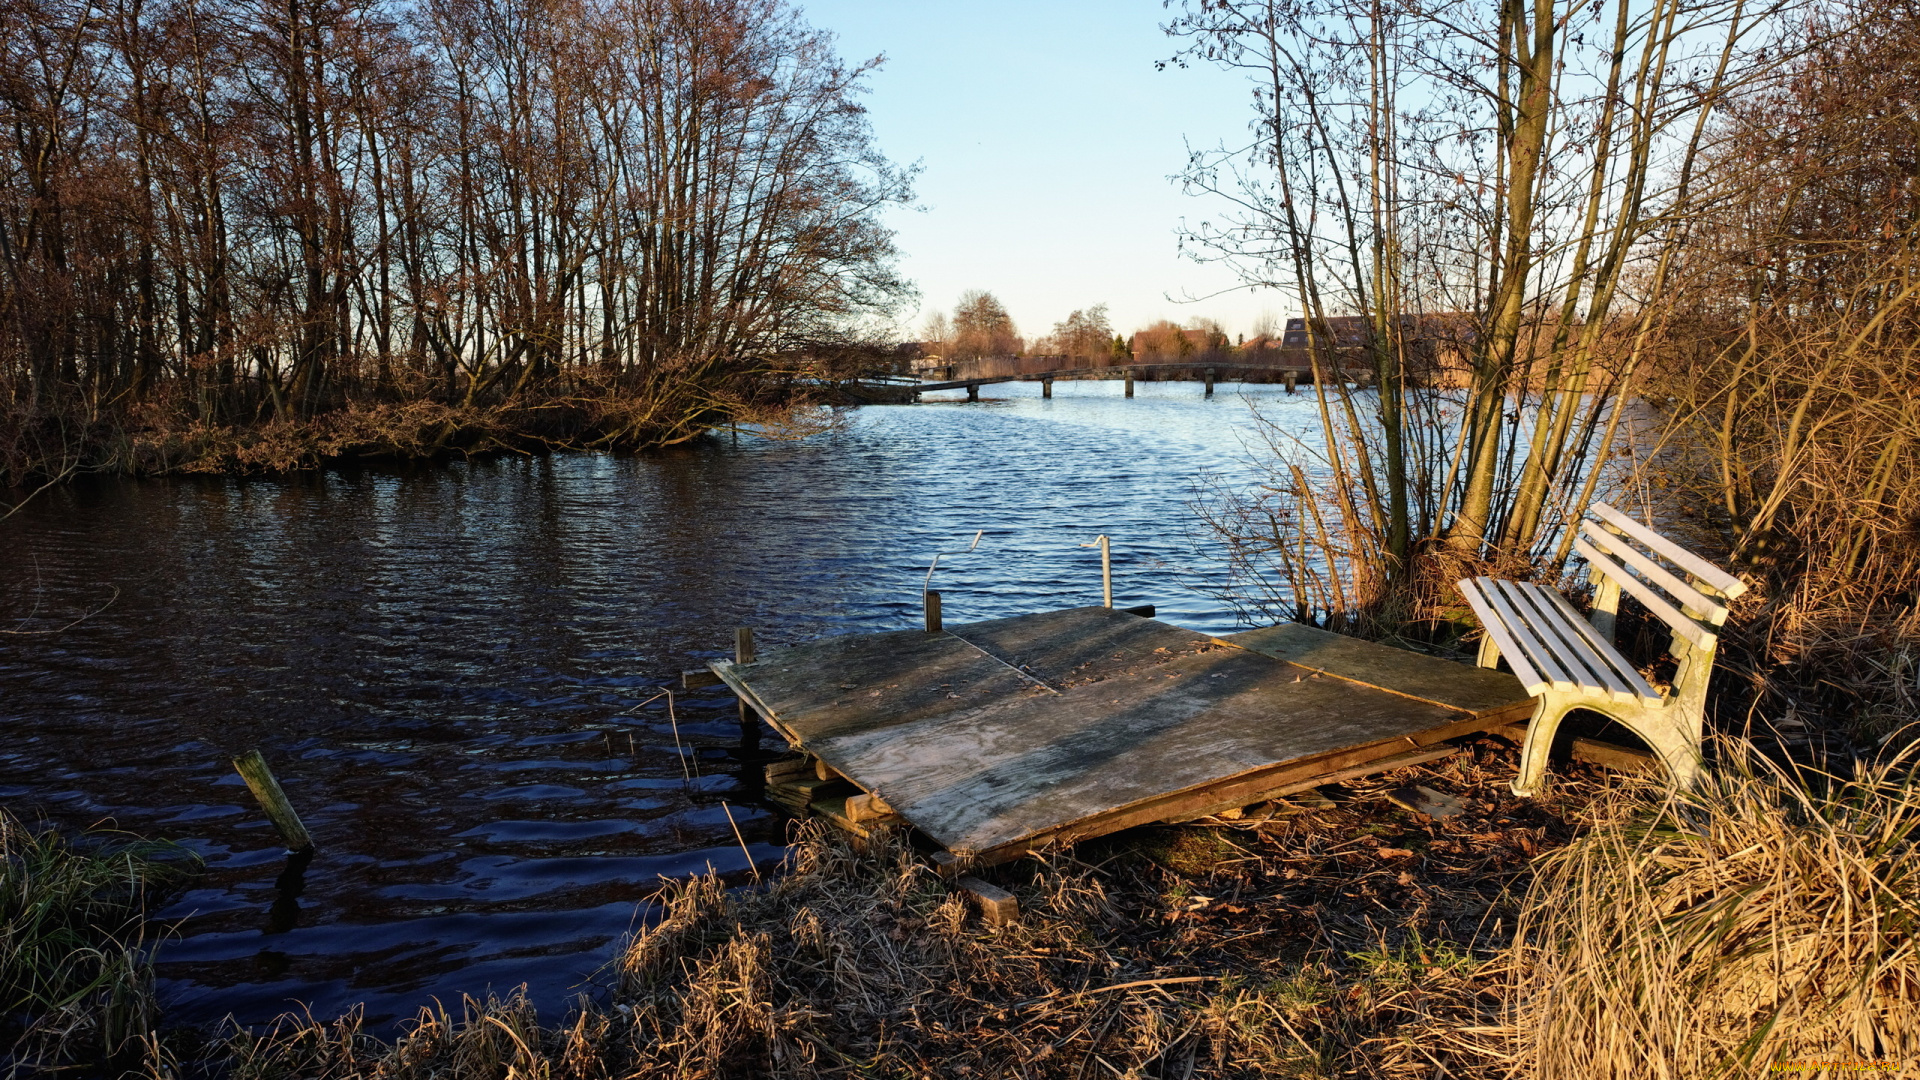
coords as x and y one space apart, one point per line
995 737
1080 645
857 682
1481 691
1023 766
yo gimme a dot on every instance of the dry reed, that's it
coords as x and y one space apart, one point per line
1769 920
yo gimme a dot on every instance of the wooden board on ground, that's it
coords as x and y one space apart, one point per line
997 737
1481 691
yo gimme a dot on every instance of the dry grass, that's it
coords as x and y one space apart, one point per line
1770 918
1350 940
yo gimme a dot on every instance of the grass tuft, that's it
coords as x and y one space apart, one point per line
76 988
1769 919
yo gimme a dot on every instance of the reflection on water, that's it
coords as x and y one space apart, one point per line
457 671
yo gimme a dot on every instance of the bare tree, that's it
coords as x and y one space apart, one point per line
1085 334
588 221
1485 172
982 327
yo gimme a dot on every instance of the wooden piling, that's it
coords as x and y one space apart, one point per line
743 654
867 807
931 599
1209 382
253 769
1129 382
1046 388
973 391
1291 378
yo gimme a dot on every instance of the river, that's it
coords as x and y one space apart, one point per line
457 669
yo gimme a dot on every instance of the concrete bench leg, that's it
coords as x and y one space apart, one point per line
1674 740
1538 744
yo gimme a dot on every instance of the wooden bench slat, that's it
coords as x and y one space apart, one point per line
1602 673
1636 684
1549 645
1581 670
1728 585
1685 627
1530 680
1689 597
1539 653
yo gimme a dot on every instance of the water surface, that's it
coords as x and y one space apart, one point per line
458 671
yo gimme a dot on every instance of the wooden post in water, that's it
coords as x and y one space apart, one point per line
1291 377
931 598
1046 388
1129 382
1106 566
1209 382
253 769
973 391
743 654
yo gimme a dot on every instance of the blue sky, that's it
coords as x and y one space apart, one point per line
1048 140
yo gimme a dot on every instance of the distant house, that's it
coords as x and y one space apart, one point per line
1354 331
1435 345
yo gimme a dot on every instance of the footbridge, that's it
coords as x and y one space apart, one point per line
1205 373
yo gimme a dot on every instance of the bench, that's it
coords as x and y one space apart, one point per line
1570 663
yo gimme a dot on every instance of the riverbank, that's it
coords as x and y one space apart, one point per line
1571 935
162 438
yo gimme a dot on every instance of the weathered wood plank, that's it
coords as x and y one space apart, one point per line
790 767
1397 671
1019 766
1316 774
1290 778
864 681
1149 722
1081 645
997 906
1611 756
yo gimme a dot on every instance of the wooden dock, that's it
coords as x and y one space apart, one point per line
1002 737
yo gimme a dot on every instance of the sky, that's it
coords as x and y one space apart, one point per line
1048 144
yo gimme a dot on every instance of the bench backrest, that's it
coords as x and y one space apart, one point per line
1685 591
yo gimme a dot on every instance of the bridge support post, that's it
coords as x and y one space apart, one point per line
1046 388
973 391
1292 377
1129 382
1209 382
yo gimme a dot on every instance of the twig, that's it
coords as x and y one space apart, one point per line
741 840
76 622
1076 995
